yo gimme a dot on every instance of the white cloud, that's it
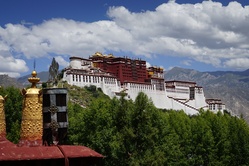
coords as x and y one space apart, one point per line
17 65
169 68
11 66
10 74
62 62
148 64
206 32
238 63
186 62
190 30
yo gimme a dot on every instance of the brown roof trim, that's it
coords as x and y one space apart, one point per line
74 57
190 82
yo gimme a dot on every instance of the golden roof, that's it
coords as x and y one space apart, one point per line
98 54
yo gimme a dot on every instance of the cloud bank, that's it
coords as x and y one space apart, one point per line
206 32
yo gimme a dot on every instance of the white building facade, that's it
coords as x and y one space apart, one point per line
175 95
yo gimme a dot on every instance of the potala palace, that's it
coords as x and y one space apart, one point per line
131 76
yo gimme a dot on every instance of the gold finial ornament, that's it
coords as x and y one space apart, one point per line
34 80
32 122
2 118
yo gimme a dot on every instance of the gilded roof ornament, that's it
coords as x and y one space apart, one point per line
110 56
34 80
98 54
2 117
32 124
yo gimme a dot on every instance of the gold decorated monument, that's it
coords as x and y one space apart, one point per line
32 122
2 118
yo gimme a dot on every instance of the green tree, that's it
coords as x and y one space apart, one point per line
239 143
121 110
180 128
203 152
219 126
146 133
99 125
13 112
137 133
76 123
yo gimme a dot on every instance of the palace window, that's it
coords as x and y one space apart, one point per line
192 93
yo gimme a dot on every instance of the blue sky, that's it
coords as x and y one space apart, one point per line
196 34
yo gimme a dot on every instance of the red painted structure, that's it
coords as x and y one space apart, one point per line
13 155
125 69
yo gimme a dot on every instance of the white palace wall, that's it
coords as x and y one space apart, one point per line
109 85
176 95
164 99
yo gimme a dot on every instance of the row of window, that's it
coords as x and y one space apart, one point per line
213 106
93 79
146 87
173 90
182 84
178 90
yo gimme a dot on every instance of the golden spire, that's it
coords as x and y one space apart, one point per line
34 80
2 118
32 124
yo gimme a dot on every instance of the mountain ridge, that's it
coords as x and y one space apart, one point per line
42 75
6 81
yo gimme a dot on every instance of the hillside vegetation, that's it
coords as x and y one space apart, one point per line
83 96
136 133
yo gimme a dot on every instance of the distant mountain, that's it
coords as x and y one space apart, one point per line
6 81
241 73
42 75
21 82
232 87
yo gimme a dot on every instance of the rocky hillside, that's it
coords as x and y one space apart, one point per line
6 81
21 82
231 87
42 75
